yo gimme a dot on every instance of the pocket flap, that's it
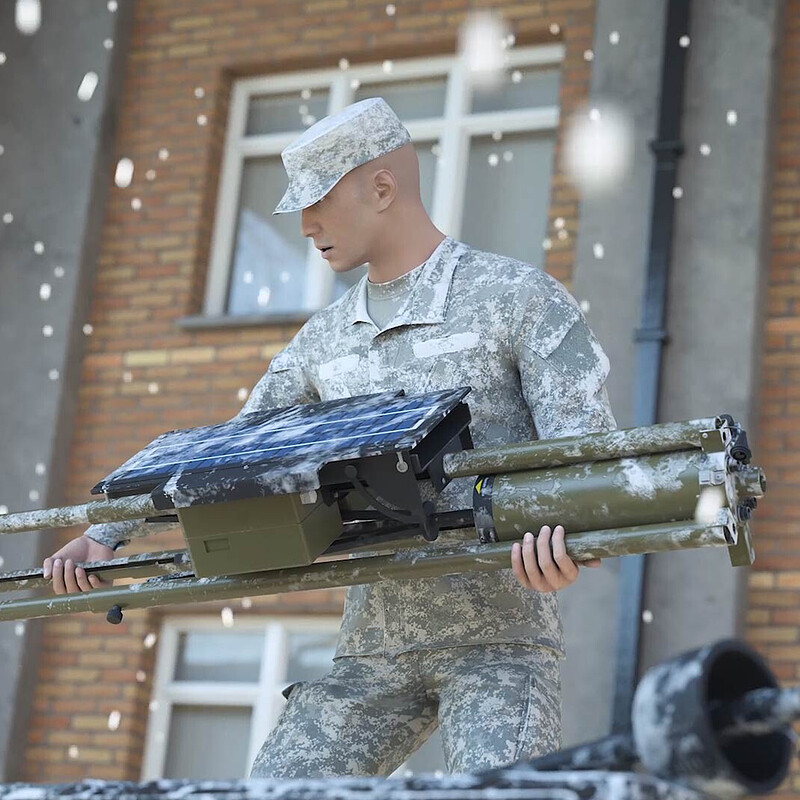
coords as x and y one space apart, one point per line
551 328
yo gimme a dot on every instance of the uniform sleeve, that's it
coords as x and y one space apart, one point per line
562 368
285 383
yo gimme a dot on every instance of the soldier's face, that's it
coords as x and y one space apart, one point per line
344 221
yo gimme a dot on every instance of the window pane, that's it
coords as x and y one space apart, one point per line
225 657
277 113
310 654
269 258
208 742
417 99
536 87
505 208
426 155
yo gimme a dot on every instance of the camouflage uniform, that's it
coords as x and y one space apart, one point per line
496 704
517 337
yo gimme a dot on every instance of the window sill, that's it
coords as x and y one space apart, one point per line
204 322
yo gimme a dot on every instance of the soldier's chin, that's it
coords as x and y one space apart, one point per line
341 265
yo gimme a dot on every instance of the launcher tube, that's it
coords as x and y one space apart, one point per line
422 563
662 438
136 507
596 495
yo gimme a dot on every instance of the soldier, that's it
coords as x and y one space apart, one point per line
476 653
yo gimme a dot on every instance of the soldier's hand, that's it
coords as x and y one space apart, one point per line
67 578
543 568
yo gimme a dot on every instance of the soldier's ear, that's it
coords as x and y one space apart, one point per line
384 187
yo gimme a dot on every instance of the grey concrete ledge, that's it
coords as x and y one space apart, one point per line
203 322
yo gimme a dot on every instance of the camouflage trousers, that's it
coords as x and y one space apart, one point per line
495 704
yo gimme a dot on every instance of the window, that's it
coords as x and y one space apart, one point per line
217 692
479 150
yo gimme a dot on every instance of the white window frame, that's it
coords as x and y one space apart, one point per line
453 130
264 697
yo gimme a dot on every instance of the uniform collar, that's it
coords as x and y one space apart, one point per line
427 300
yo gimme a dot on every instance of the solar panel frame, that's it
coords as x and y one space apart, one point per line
292 437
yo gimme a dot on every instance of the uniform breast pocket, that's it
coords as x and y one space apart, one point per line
339 377
445 361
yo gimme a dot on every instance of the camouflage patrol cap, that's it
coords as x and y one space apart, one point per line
318 159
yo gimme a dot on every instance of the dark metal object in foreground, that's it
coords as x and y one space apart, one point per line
512 783
710 723
713 719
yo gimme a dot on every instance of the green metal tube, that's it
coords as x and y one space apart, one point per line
665 437
136 507
422 563
597 495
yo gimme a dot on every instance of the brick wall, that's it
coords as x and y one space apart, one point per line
142 374
773 616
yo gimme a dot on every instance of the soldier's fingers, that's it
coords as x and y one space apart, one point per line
517 566
566 565
593 562
47 568
58 577
97 581
69 576
532 566
550 571
82 579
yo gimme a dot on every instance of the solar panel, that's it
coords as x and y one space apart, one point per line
278 451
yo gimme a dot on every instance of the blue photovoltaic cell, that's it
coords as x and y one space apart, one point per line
290 444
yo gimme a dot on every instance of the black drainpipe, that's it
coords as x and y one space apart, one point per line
652 335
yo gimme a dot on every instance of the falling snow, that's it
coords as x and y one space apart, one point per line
481 48
124 173
87 87
598 148
28 16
